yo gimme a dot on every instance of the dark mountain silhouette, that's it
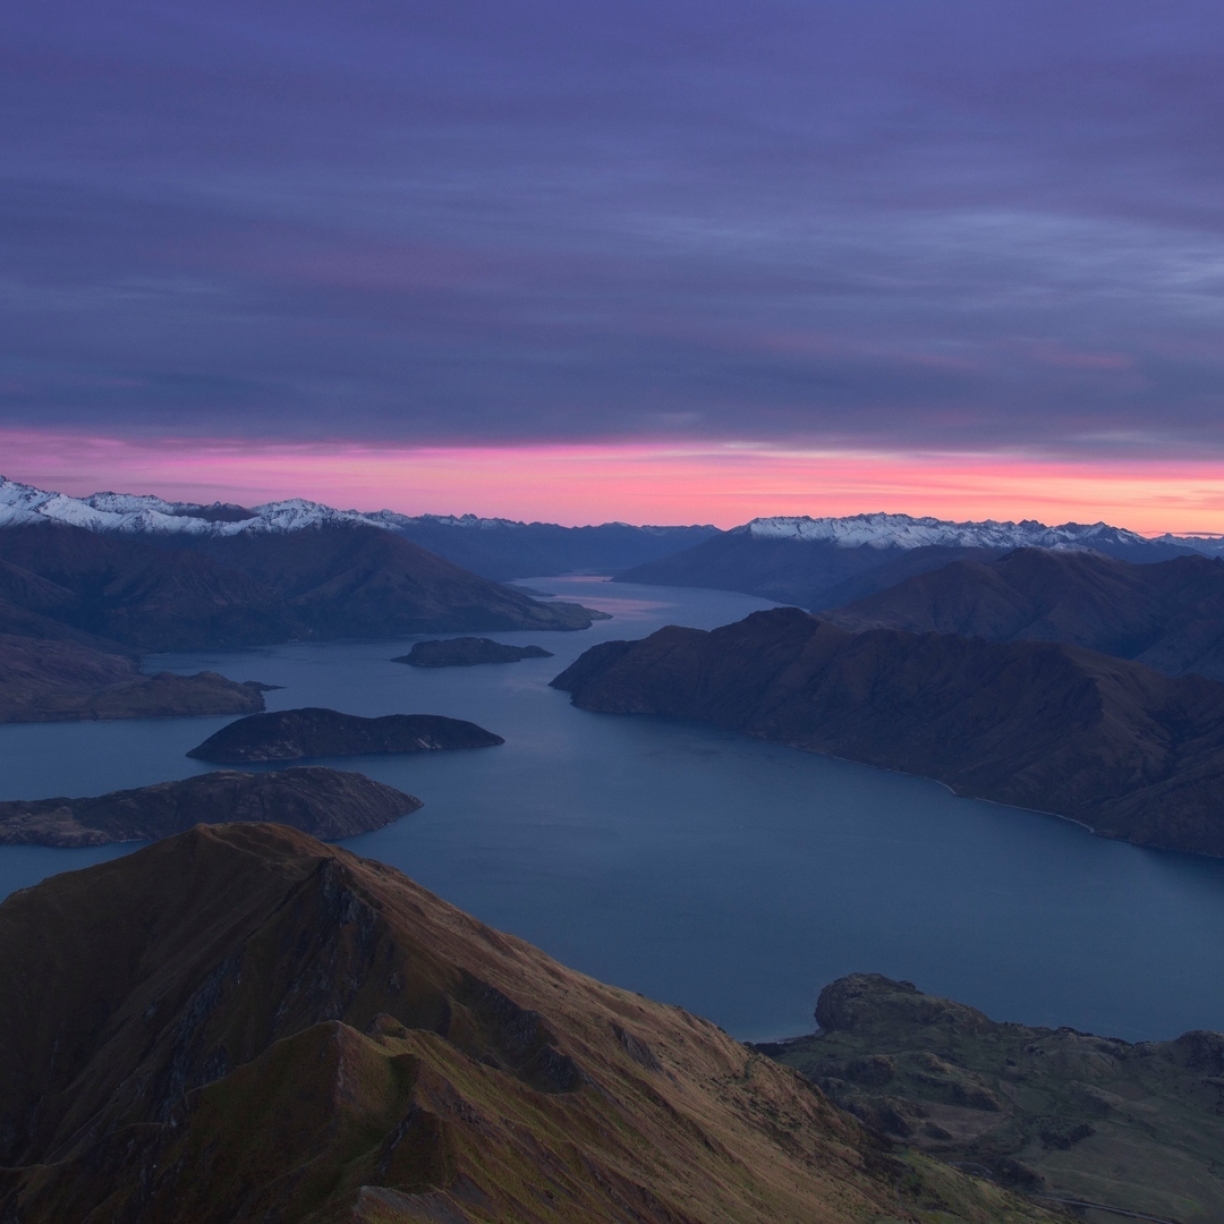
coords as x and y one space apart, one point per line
1128 751
502 549
294 735
468 652
325 803
63 680
1169 615
182 592
240 1023
811 574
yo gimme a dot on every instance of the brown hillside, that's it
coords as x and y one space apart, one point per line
240 1023
1126 750
1169 615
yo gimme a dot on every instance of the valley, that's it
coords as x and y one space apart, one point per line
641 851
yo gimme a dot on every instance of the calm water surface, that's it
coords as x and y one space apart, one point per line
730 876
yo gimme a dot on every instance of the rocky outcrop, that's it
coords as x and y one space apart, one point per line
1127 751
1043 1110
467 652
294 735
240 1023
63 680
325 803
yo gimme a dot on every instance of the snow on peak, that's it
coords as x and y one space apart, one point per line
132 513
904 531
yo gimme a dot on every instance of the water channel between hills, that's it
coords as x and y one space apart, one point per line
727 875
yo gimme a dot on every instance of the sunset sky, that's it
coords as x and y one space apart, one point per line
667 261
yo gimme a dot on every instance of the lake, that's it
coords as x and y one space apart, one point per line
727 875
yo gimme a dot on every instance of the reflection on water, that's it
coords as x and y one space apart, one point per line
731 876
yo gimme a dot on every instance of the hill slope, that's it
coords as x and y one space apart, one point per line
1132 753
240 1023
1136 1127
1169 615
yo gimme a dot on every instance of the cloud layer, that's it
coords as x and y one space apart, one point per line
979 226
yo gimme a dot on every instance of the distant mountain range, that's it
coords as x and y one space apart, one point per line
839 558
1111 743
497 548
821 563
298 571
1169 615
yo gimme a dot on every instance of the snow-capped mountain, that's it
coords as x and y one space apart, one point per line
134 513
131 513
903 531
498 548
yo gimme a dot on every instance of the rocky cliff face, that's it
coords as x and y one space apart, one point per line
1130 752
240 1023
293 735
325 803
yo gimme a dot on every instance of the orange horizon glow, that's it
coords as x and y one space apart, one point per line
721 483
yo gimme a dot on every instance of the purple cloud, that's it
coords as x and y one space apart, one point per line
885 223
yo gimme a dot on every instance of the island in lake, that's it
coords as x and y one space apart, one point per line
468 652
1123 749
1137 1128
49 680
325 803
293 735
241 1023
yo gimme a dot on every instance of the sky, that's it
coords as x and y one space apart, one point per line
662 261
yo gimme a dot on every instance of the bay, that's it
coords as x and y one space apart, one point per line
727 875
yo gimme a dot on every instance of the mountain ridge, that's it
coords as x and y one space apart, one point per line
240 1023
1122 749
1168 615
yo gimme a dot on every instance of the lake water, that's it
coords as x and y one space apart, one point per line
727 875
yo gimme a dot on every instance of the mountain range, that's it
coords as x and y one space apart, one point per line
241 1023
1168 615
154 592
1108 742
820 563
497 548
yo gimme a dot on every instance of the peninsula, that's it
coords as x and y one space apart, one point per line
1125 750
64 680
292 735
325 803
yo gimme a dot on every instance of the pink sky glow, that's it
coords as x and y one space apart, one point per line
723 484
